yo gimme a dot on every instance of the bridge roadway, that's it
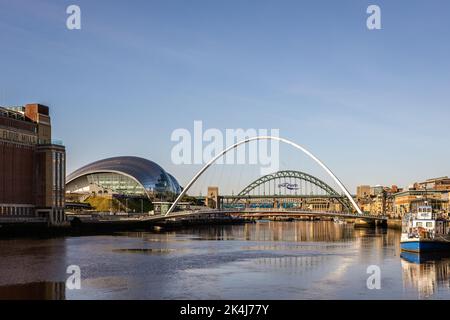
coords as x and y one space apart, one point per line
266 212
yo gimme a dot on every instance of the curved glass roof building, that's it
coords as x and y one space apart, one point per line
130 176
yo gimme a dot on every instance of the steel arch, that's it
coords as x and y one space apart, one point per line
296 175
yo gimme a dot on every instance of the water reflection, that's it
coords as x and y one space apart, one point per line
267 260
304 231
144 251
34 291
303 264
32 261
426 273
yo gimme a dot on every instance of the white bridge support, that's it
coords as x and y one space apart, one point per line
212 161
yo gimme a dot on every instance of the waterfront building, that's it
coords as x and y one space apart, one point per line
365 204
389 205
433 191
378 200
32 167
446 204
378 206
410 200
438 184
123 178
320 204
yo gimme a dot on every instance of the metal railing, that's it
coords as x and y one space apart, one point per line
56 142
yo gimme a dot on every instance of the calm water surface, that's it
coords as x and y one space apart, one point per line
265 260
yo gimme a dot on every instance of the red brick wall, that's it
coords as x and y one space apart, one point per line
16 173
23 125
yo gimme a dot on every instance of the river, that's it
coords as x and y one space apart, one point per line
264 260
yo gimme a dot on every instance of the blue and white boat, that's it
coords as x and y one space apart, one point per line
423 231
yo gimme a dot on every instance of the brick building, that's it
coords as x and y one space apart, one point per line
32 167
438 184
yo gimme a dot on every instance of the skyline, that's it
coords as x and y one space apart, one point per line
377 97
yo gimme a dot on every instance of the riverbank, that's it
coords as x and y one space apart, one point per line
89 225
92 226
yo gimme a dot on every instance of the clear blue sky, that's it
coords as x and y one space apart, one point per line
373 105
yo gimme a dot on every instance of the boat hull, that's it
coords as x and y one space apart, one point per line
425 246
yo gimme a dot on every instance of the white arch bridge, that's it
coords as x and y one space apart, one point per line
345 199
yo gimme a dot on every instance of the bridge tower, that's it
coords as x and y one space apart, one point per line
212 198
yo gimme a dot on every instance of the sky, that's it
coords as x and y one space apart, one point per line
372 104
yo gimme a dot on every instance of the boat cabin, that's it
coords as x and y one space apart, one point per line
424 218
425 223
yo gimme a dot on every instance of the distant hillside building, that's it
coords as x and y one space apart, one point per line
32 167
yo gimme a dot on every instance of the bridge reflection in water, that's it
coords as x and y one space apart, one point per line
299 231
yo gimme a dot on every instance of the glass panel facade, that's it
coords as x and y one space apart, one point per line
125 175
116 183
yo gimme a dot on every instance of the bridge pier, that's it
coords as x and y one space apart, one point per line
362 223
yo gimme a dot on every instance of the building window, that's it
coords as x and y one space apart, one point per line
53 169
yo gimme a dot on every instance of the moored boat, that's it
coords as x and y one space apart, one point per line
423 231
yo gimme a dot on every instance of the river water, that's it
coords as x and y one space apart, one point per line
264 260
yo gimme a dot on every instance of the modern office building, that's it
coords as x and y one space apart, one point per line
32 167
124 177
